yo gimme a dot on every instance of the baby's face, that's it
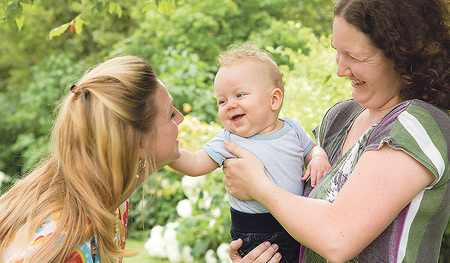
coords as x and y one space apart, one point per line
244 96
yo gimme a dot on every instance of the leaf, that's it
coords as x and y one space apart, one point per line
115 8
99 6
58 30
149 5
165 5
112 7
19 22
79 23
13 10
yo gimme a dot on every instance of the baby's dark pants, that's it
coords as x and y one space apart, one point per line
254 229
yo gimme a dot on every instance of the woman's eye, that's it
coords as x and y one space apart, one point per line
352 58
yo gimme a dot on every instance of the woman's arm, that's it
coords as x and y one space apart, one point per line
381 185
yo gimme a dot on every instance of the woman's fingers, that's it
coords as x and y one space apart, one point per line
233 253
265 252
235 149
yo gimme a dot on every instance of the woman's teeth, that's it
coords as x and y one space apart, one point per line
359 82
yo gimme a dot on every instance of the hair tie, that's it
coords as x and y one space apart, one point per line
74 89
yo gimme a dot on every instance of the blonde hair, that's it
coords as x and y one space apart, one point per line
251 52
93 165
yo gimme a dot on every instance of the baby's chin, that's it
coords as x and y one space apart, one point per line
241 134
241 131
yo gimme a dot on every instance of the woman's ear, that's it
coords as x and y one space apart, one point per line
142 151
276 99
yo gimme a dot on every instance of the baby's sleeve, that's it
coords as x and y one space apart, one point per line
216 150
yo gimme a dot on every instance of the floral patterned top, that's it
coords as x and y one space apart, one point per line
86 252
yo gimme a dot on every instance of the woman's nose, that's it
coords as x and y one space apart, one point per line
343 70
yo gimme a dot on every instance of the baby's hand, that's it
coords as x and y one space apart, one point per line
316 168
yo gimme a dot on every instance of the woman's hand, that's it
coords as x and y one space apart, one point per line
245 176
262 253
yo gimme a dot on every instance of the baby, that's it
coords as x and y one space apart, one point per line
249 90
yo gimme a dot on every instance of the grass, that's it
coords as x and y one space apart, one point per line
143 257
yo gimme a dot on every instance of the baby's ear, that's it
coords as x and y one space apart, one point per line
276 99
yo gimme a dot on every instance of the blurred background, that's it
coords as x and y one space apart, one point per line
46 45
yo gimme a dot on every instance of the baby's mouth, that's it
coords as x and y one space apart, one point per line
237 117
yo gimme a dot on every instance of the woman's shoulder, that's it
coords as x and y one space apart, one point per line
349 105
441 116
418 129
341 115
415 114
343 111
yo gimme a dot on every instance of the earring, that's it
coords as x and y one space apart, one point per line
142 165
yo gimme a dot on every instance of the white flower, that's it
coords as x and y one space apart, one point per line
225 197
210 256
211 223
193 182
222 253
173 225
192 186
170 237
143 203
207 199
165 183
155 245
216 212
184 208
186 254
171 244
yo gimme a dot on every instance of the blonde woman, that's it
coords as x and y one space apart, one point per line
73 207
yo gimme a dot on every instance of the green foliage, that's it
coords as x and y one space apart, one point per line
181 39
210 224
184 56
51 80
143 257
13 12
154 203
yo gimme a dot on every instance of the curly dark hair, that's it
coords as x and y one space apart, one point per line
412 33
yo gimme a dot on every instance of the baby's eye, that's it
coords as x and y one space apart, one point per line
239 95
220 102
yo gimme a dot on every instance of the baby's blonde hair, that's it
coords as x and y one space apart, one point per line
251 52
93 165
